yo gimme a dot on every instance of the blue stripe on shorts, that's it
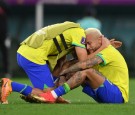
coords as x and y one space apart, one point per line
107 93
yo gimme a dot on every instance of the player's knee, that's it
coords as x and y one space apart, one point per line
90 71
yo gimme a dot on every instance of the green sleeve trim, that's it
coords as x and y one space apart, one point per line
79 45
66 87
104 62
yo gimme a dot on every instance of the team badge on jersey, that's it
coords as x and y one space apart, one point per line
83 40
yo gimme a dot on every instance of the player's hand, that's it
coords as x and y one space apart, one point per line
115 44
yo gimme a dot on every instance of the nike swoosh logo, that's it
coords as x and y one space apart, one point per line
5 84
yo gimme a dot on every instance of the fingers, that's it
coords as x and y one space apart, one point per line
113 39
118 44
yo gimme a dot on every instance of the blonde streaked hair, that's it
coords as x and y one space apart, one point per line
93 31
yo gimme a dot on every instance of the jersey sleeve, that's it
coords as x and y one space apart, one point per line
105 55
78 38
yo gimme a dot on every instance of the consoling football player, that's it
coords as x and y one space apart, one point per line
104 76
39 54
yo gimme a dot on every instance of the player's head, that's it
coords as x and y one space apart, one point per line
93 39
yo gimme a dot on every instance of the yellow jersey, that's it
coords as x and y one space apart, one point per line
73 37
115 69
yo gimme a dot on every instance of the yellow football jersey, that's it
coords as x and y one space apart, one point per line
73 37
115 69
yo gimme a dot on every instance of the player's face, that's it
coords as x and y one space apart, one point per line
92 44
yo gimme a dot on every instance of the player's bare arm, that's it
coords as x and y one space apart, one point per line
81 53
59 66
115 43
83 65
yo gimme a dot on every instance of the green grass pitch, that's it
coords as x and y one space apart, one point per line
81 104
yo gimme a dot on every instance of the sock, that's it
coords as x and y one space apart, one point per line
21 88
61 90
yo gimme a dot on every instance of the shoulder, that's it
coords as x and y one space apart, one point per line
73 30
110 49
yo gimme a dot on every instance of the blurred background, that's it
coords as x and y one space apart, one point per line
20 18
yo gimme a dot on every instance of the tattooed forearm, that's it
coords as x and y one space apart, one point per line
74 68
93 61
83 65
78 79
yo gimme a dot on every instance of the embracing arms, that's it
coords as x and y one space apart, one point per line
83 65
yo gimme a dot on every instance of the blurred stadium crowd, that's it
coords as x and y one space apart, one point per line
23 17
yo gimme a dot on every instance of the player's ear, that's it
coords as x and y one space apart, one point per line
100 39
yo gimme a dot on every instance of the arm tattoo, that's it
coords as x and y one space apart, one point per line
76 80
93 61
73 68
83 65
86 64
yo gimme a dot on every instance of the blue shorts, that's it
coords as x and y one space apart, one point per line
39 75
107 93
